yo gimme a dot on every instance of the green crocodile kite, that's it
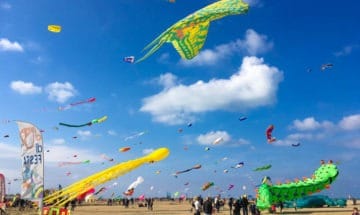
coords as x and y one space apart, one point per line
271 194
189 34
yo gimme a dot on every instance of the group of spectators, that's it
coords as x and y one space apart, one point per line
236 206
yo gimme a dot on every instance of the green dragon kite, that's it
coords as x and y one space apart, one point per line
189 34
268 194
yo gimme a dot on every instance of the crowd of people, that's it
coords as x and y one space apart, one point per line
237 206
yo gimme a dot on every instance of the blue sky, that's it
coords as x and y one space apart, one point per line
255 65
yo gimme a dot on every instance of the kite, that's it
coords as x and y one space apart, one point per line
94 121
218 140
326 66
198 166
54 28
99 120
135 135
107 158
239 165
133 185
73 163
266 167
268 194
103 189
90 100
226 171
242 118
207 185
295 144
71 125
85 194
188 35
207 148
5 121
268 132
6 136
189 124
124 149
103 176
231 186
129 59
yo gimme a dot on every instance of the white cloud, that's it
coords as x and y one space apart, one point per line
242 141
210 137
352 142
9 151
60 92
84 134
25 88
112 133
295 139
5 6
58 141
345 50
300 136
254 85
7 45
253 44
164 58
59 153
350 122
310 124
167 80
147 151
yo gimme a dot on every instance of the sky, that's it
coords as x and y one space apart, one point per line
264 65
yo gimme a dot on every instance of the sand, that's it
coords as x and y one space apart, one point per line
168 208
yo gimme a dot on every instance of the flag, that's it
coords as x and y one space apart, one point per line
32 156
2 188
129 59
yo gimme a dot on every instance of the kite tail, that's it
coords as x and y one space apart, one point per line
151 51
322 178
69 125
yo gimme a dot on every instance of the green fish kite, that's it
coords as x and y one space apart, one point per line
189 34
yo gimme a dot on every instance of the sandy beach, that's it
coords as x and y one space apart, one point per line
168 208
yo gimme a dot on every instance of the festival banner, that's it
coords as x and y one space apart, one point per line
32 156
2 187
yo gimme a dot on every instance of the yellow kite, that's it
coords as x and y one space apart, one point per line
54 28
189 34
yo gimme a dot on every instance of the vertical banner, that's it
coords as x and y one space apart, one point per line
2 188
32 156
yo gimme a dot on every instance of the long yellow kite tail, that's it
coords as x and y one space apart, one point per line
67 194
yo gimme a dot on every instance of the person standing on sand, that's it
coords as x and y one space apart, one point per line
230 204
217 203
244 204
197 206
355 211
237 207
208 207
